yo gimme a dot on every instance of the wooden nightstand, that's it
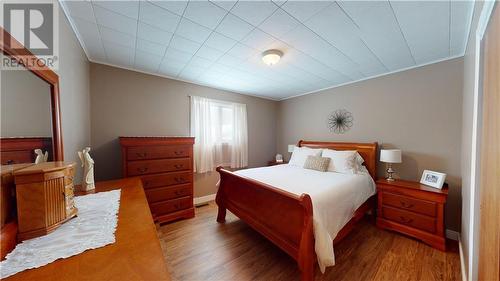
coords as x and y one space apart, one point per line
274 163
413 209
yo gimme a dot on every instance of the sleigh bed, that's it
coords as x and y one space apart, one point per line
283 217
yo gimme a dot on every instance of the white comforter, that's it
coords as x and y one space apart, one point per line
334 196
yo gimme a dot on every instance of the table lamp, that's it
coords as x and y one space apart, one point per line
390 156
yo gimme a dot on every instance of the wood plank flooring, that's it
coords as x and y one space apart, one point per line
202 249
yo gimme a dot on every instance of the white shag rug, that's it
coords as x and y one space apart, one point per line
94 227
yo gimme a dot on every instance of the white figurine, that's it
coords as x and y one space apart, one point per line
40 156
88 169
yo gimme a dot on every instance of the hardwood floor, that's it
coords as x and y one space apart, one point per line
202 249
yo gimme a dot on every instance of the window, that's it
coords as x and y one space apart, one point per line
220 131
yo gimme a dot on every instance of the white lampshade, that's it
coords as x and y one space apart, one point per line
291 147
390 155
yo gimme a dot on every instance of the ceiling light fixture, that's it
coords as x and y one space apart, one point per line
271 57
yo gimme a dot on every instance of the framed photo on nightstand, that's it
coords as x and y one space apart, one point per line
434 179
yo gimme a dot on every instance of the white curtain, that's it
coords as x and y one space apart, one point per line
220 131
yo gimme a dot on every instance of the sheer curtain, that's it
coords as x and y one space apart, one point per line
220 131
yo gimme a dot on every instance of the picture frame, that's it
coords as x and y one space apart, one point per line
279 158
433 179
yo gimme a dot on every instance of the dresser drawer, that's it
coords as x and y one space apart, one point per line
136 168
16 157
158 152
170 206
168 192
409 218
166 179
410 204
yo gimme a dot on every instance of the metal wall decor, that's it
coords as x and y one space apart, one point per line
340 121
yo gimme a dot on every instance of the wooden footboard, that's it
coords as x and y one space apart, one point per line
282 217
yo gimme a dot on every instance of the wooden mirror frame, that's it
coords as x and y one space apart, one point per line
14 49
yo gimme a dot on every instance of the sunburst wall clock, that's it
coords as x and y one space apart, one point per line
340 121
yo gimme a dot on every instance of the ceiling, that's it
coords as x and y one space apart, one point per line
219 43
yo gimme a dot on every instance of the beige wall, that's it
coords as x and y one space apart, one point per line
418 111
75 97
25 105
128 103
470 254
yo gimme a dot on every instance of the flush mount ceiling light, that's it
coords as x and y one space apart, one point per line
271 57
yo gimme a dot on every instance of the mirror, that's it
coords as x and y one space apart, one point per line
26 119
30 107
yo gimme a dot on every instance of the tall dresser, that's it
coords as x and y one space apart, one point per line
165 166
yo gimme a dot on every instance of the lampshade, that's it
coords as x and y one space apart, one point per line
291 147
271 57
390 155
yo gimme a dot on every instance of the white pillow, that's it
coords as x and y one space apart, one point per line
343 161
299 155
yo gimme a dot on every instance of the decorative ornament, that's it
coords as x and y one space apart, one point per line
88 169
340 121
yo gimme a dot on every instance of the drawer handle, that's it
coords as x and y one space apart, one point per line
147 183
178 152
405 220
141 155
406 205
178 180
178 166
142 170
178 192
9 162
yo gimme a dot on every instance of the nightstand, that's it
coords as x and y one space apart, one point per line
413 209
274 163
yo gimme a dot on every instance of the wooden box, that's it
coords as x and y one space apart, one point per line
44 195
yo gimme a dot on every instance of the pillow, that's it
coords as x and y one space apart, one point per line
343 161
299 155
317 163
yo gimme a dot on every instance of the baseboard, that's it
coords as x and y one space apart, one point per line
462 259
203 199
452 234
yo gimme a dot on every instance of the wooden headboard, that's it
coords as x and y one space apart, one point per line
367 150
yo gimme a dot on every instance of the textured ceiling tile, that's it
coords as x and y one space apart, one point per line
192 31
234 27
158 17
153 34
204 13
258 40
304 10
118 54
254 12
209 53
229 60
146 61
176 7
200 62
461 15
178 56
423 22
117 37
241 51
151 47
279 24
185 45
220 42
115 21
80 9
128 8
226 5
380 30
87 30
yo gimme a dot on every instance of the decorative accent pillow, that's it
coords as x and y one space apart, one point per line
343 161
300 154
317 163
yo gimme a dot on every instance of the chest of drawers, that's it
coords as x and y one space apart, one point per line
413 209
165 166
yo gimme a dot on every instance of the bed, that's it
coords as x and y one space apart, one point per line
284 215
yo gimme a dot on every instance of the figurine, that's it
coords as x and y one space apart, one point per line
40 156
88 169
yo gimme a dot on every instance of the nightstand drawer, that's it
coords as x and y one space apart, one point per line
410 204
409 218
